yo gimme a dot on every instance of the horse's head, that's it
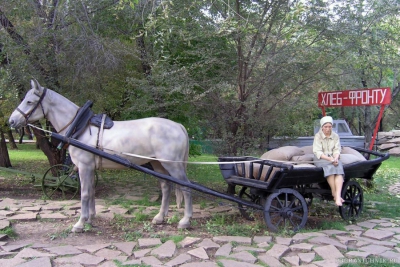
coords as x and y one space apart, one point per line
28 110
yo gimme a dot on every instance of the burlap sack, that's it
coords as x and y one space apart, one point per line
307 149
350 158
284 153
308 158
349 150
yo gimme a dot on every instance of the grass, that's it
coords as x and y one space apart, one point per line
29 159
333 225
9 231
377 200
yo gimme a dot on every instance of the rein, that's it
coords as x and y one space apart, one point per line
69 123
188 162
28 115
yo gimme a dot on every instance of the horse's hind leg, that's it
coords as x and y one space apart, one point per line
178 171
187 196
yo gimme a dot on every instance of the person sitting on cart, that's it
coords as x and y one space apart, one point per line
326 149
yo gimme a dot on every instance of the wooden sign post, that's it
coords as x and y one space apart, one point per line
359 97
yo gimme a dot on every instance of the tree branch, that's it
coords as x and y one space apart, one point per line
9 27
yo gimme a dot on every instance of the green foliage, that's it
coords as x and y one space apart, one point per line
9 231
329 225
132 235
176 238
63 233
226 225
173 219
194 150
238 72
120 264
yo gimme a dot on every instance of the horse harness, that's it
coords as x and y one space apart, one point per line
84 117
28 115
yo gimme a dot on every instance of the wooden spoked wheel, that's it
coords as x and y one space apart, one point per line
353 197
246 194
285 210
61 182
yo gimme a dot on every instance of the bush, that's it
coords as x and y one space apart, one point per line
194 150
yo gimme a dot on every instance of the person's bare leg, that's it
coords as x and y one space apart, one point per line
338 188
331 182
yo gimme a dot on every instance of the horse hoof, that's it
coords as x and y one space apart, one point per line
154 221
76 230
184 226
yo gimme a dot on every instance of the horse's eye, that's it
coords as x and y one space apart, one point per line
29 102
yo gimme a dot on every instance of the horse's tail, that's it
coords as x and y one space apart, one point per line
178 190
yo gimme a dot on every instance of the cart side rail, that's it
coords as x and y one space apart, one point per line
252 172
367 153
270 175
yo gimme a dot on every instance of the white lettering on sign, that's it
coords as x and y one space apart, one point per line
374 96
332 99
354 97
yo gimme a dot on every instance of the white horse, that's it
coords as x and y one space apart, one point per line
150 137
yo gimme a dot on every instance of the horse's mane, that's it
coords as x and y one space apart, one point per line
52 95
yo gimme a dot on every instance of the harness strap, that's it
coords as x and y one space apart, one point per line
69 123
99 142
27 115
79 122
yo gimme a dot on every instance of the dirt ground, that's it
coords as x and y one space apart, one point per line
111 231
102 231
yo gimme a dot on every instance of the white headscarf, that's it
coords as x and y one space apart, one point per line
326 119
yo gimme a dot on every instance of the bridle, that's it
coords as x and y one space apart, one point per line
27 115
41 97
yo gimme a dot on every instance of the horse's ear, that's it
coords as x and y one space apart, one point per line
36 86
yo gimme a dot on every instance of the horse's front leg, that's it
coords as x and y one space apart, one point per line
92 202
165 189
86 175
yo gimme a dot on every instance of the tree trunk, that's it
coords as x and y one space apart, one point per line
4 157
48 147
34 59
11 140
143 55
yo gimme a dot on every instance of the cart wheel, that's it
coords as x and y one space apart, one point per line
352 194
245 194
60 182
285 209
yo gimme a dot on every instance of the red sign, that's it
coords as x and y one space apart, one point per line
360 97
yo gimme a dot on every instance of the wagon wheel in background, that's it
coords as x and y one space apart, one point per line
61 182
285 209
352 194
246 194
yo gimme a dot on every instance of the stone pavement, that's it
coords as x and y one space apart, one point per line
375 240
